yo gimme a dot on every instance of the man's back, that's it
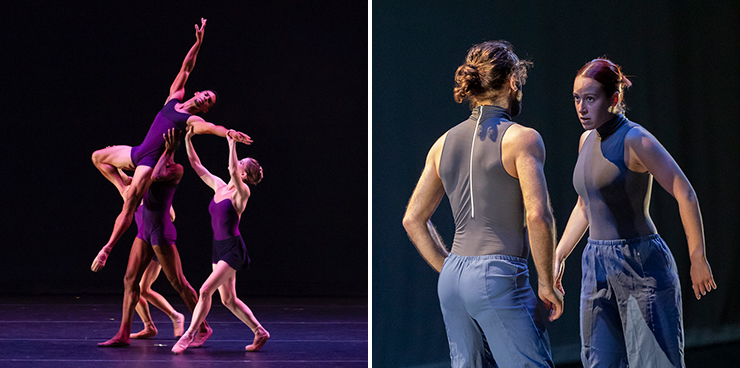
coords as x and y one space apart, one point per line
486 200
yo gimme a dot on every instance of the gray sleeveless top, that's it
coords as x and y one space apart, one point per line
486 201
617 200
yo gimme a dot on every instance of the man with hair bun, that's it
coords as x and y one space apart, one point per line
491 169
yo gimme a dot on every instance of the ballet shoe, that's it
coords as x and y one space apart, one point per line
182 343
201 338
260 338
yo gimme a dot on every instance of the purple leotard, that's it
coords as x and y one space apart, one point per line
224 219
148 152
228 245
153 216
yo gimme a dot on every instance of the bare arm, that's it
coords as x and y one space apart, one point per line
574 231
529 160
211 180
242 192
645 153
164 170
177 90
424 201
201 126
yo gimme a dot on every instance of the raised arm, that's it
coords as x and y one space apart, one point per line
177 90
645 153
529 162
211 180
242 192
424 201
164 169
201 126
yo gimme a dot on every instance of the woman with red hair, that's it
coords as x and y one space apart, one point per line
630 293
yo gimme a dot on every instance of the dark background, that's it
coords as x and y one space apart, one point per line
79 77
682 57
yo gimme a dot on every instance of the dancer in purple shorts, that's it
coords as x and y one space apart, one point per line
156 236
229 252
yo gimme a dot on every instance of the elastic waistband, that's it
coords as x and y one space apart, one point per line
490 257
624 241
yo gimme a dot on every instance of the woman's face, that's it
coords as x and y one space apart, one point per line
592 104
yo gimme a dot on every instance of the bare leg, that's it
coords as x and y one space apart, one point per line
132 197
142 309
217 277
223 279
169 258
141 254
227 290
157 300
108 160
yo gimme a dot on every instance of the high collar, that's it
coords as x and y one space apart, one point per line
486 112
611 126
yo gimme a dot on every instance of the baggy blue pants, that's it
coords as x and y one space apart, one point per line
489 313
631 313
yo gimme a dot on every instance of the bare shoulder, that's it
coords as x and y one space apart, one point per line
195 119
639 137
436 151
521 139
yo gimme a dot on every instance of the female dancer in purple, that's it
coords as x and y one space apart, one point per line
631 312
229 252
142 158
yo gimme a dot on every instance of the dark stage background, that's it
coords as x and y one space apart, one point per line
684 62
293 76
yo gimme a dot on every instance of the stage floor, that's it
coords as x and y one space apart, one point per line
63 331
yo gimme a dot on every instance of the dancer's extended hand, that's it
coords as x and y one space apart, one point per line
172 139
99 261
199 31
239 137
190 132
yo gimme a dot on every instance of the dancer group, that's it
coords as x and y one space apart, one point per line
148 196
491 170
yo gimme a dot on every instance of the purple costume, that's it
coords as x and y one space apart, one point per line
153 216
148 152
228 245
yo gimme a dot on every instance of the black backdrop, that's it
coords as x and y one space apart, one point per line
293 76
684 62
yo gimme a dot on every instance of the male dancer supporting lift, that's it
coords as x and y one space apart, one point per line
156 235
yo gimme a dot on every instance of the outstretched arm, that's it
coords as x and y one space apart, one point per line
424 201
211 180
645 153
201 126
177 90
